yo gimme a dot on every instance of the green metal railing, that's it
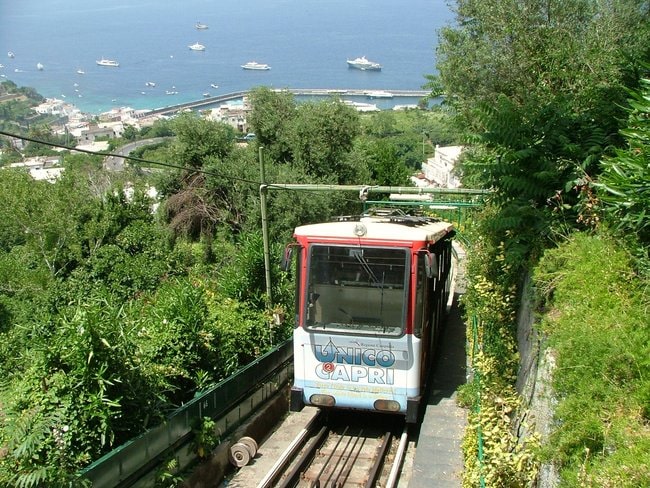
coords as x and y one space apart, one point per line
125 464
477 407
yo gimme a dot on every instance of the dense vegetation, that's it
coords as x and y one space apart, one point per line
102 299
553 100
112 313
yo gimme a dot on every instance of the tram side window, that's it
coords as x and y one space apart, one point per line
418 313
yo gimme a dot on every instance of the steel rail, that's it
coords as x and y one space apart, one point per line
289 453
379 459
344 455
316 482
347 468
292 476
397 462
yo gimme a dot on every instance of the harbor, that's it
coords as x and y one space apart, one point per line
354 93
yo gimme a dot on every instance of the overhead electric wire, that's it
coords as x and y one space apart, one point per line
148 161
131 158
278 186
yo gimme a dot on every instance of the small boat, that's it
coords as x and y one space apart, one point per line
197 47
362 107
200 26
39 66
150 83
256 66
206 95
11 54
379 94
171 92
363 64
107 62
81 72
214 86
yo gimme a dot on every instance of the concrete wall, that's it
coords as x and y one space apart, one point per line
536 366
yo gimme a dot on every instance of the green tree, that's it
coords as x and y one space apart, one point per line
199 139
386 166
42 216
270 118
540 88
322 134
130 133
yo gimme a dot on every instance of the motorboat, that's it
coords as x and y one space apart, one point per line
200 26
11 54
254 65
107 62
150 84
81 72
197 47
39 66
206 95
171 92
363 64
214 86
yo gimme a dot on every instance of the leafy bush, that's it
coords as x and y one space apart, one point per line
623 183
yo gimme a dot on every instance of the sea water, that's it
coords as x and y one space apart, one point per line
306 43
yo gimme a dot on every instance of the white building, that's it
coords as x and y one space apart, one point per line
439 170
233 113
41 167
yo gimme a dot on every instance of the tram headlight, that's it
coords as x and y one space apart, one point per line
386 405
322 400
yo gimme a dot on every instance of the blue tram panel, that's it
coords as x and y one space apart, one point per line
369 295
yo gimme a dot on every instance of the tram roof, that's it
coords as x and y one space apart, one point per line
412 229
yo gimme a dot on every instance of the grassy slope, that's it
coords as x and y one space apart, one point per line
598 323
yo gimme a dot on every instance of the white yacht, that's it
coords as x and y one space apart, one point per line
197 47
214 86
254 65
363 64
201 26
107 62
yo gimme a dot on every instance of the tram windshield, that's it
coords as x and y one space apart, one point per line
356 290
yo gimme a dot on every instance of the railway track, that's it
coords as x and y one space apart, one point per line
339 451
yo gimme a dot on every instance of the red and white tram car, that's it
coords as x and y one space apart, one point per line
371 293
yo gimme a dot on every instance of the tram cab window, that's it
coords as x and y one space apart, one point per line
356 290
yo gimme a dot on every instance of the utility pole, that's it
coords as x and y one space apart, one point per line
265 228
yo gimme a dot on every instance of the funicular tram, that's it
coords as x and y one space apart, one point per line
372 291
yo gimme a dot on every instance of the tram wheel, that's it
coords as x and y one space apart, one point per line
250 443
240 454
